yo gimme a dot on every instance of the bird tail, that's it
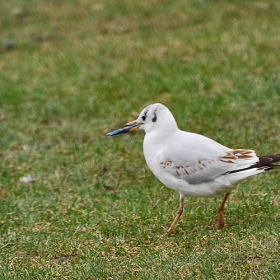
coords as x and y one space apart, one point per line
265 163
268 162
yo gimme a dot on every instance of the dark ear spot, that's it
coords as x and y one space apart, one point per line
154 119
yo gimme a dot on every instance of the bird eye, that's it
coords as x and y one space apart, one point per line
143 117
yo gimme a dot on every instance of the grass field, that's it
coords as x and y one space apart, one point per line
71 71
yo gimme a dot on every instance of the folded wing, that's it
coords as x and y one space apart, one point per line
208 166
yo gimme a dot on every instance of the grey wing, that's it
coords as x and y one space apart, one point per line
199 166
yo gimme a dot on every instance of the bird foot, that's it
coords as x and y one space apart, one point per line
170 231
221 221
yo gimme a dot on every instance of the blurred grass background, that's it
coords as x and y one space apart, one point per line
70 71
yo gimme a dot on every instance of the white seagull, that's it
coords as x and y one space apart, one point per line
192 164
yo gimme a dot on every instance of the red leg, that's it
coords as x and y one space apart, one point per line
180 211
221 220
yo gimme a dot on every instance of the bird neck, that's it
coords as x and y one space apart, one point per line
163 131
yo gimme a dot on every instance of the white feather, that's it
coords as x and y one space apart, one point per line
190 163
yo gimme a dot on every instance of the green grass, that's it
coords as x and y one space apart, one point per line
80 69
